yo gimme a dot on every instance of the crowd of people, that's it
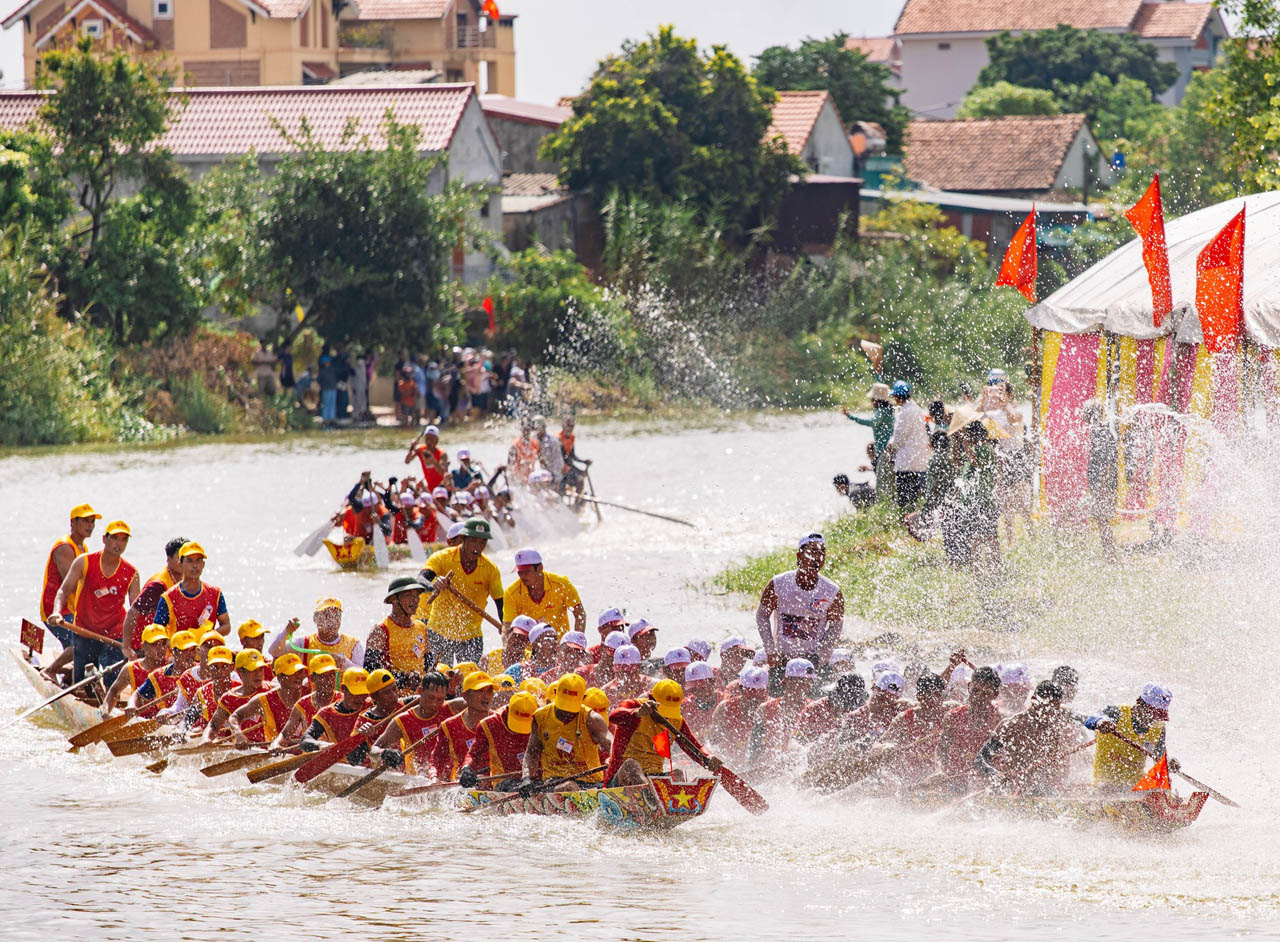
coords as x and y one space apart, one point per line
547 705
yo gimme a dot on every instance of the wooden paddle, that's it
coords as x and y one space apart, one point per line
131 747
637 510
265 772
243 761
326 759
596 503
91 635
445 583
544 787
94 733
435 786
1213 792
366 779
89 678
745 795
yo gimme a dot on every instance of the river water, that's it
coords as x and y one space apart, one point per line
95 848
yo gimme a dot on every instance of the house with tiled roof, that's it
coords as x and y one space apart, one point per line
520 127
282 42
811 127
882 50
943 42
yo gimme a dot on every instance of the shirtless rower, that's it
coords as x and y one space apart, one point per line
328 638
779 715
399 642
250 666
634 755
155 655
966 728
160 682
809 610
97 588
273 706
142 612
322 672
63 553
567 739
839 756
908 747
499 745
409 727
1116 764
1027 752
192 602
458 732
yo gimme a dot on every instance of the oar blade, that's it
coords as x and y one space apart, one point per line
416 551
360 783
314 540
745 795
233 764
381 555
91 735
262 773
132 747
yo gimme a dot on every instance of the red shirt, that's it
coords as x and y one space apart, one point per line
964 733
337 724
817 719
430 475
496 750
100 599
699 717
452 746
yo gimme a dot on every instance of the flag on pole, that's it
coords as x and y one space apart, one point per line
488 309
662 746
1220 286
1018 270
490 9
1147 218
1157 777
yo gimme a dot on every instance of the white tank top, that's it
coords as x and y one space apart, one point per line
802 613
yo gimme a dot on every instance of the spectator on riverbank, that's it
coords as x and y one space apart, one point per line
360 388
860 493
327 380
881 425
264 373
909 447
284 354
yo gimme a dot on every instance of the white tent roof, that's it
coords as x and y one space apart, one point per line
1115 295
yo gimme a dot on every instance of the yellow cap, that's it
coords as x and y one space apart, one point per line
250 629
322 664
477 680
182 640
286 665
153 633
209 633
379 679
534 686
221 655
328 602
668 695
442 667
551 690
118 526
569 692
355 680
84 510
596 699
467 667
192 548
250 660
504 681
520 712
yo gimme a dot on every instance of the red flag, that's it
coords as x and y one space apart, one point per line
662 743
490 9
1018 270
1147 218
1220 286
32 636
1157 778
488 309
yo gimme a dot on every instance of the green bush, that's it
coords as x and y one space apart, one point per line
198 408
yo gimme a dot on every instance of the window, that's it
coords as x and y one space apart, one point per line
162 9
92 28
944 45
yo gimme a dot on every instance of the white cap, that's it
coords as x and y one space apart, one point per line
699 647
639 626
482 492
528 557
408 500
431 430
733 641
616 639
441 492
542 474
961 674
462 497
524 623
676 656
811 538
698 670
885 667
890 681
801 667
608 616
1014 674
1156 696
455 530
626 656
540 631
754 678
367 500
841 656
464 454
761 658
575 639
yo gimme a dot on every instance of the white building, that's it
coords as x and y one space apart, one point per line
942 43
811 127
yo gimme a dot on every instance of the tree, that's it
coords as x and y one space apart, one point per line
1064 56
1001 98
860 87
1119 109
666 122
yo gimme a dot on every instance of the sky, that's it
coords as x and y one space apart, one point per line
558 42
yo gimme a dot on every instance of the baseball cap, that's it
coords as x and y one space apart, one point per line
366 500
698 670
575 639
520 712
596 699
733 641
609 616
431 430
464 453
996 376
248 660
250 629
181 640
84 510
407 499
811 538
902 389
878 392
569 692
210 635
477 680
1158 697
462 497
154 633
528 557
482 493
667 694
801 667
466 667
615 640
754 678
628 655
440 492
761 658
700 648
192 548
961 674
841 656
1014 674
534 686
540 631
885 667
455 530
503 681
639 627
322 664
286 665
328 602
523 624
476 527
221 655
355 680
890 681
676 656
118 526
379 679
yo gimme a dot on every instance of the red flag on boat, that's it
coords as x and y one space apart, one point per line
662 746
490 9
1155 779
1018 270
1220 286
1147 218
488 309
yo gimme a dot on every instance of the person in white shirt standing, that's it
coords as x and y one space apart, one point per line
909 447
809 610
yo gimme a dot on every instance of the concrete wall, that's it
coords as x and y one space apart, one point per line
554 227
829 150
936 80
474 157
1072 174
519 141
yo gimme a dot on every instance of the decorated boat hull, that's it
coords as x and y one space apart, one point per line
357 554
1152 811
74 714
662 803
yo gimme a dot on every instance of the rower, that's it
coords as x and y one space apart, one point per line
192 602
435 463
454 629
155 655
571 654
498 748
191 680
609 621
809 610
337 721
700 695
63 553
458 731
398 643
1015 687
328 638
869 722
627 680
699 650
735 717
966 728
545 596
634 755
253 637
143 610
779 715
272 706
735 654
908 746
574 476
409 727
250 665
542 663
385 696
523 455
644 636
322 673
160 682
1068 678
217 668
823 716
596 699
505 687
1116 764
95 589
515 647
600 672
1027 752
674 663
566 739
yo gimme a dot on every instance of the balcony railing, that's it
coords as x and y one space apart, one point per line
472 37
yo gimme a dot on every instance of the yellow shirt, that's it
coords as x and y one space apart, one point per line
447 616
558 600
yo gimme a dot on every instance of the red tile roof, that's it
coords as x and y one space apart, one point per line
275 9
528 112
401 9
985 16
1018 154
1173 20
875 48
794 115
117 15
226 121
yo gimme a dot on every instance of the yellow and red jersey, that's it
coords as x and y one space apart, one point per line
53 580
100 598
497 750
